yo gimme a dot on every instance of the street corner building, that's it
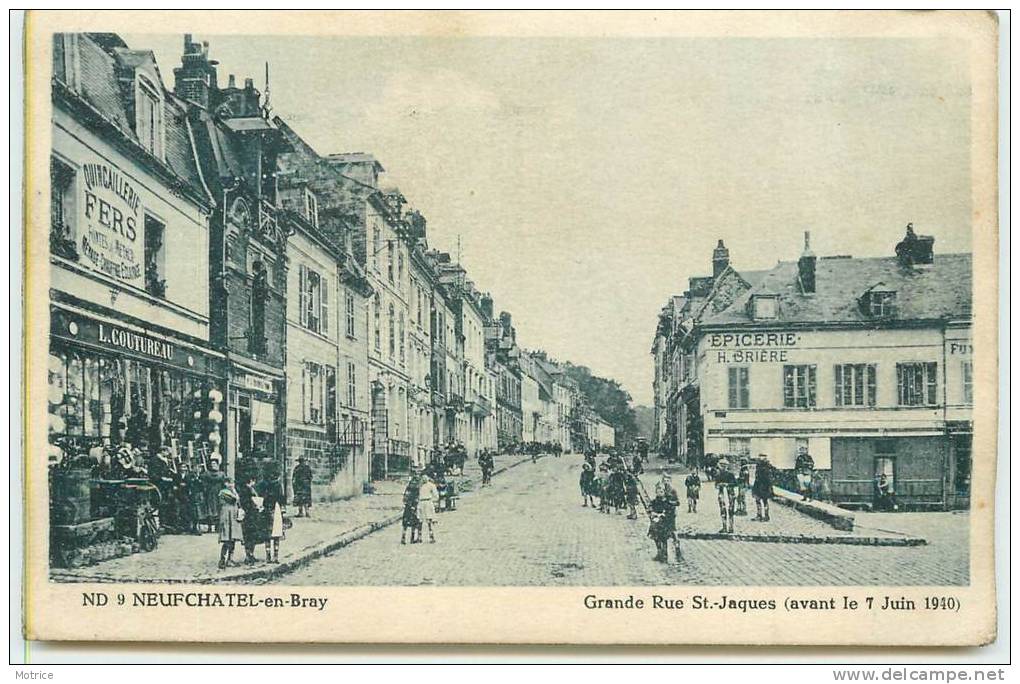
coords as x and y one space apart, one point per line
132 358
863 363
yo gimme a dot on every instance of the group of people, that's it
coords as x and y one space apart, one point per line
252 513
612 483
421 496
732 482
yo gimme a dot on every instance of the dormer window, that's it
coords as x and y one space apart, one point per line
149 116
881 303
765 307
311 208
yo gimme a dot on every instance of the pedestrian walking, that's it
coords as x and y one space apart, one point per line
194 499
805 468
427 495
637 465
693 486
762 488
725 485
302 482
229 524
617 489
273 501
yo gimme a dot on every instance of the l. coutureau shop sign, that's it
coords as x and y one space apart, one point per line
113 240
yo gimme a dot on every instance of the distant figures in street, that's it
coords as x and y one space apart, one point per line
743 484
762 488
410 520
693 486
302 483
587 481
487 464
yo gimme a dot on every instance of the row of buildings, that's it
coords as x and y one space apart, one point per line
221 288
865 363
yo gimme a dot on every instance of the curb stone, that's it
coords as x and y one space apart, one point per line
807 539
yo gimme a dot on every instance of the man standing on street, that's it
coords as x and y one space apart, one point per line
693 485
486 463
302 482
662 512
725 485
762 488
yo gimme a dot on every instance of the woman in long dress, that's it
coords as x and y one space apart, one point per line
229 528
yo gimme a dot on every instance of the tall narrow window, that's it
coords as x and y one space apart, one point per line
855 384
313 305
392 323
739 387
155 257
352 385
916 383
330 400
391 254
148 117
351 324
313 385
311 208
401 340
968 382
62 206
377 315
799 386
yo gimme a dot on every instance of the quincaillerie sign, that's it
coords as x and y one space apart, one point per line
113 239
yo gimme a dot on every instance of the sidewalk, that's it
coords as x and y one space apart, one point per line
193 558
786 524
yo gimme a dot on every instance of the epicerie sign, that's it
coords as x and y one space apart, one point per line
113 221
756 347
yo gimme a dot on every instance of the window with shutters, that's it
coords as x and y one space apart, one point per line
916 383
351 318
311 208
313 307
739 387
800 386
968 382
855 384
739 446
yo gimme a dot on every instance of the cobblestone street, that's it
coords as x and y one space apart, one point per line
529 528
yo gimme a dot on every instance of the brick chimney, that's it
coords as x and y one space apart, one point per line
720 259
806 266
195 79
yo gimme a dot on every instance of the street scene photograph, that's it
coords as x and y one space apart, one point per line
509 311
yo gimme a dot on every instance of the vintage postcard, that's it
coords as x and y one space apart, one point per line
467 327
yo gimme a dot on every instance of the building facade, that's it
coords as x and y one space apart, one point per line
864 363
131 360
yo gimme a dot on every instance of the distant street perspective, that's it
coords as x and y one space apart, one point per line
272 361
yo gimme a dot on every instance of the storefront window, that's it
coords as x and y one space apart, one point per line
98 399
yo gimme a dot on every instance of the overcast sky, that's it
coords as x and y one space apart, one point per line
588 178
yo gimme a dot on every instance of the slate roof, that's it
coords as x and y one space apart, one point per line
938 291
103 100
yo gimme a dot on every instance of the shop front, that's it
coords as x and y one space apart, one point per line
135 418
116 383
256 443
